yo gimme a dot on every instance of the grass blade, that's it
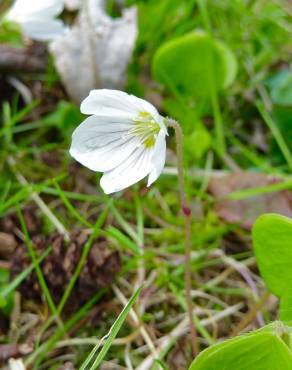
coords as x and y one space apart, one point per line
276 133
38 270
40 353
70 207
82 260
123 240
110 336
19 278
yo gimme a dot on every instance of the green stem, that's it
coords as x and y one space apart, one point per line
218 119
186 210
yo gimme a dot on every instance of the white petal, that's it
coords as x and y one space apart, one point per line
103 144
158 158
43 29
134 169
22 9
145 106
48 8
106 102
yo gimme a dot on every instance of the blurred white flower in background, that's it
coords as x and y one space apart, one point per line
98 45
73 4
37 18
124 137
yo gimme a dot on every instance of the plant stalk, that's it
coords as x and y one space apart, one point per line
186 210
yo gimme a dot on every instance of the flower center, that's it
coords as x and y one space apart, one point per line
146 128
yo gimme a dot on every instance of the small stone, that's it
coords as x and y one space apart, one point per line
7 244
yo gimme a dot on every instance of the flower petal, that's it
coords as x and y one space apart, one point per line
134 169
48 8
103 144
158 158
42 29
21 9
106 102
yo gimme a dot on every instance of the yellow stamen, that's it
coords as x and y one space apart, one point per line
146 128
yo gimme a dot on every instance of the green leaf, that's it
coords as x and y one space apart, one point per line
281 92
182 109
286 306
197 143
4 276
272 240
193 63
229 63
65 117
124 241
263 349
10 32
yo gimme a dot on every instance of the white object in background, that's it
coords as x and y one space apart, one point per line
16 364
96 51
73 4
37 19
124 138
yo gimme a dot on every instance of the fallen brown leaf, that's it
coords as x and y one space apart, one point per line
13 350
246 211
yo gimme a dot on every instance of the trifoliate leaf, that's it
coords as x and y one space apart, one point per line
264 349
272 241
193 63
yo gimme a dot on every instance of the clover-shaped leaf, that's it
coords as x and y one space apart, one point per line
272 241
194 63
263 349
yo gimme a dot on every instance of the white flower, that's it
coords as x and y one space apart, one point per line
124 137
36 18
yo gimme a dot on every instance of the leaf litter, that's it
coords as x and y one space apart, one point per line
245 211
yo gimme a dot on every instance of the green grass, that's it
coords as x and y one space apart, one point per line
108 339
144 225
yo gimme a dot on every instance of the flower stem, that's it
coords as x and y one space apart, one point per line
186 210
